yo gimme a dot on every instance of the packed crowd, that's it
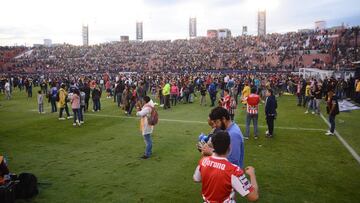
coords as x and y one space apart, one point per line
273 52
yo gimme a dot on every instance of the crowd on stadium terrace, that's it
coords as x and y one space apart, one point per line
271 52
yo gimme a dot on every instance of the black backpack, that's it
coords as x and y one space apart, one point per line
27 186
7 192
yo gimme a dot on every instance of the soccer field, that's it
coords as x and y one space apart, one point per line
99 161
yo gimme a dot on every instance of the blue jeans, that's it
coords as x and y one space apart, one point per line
76 114
311 104
81 113
148 143
254 118
132 105
332 123
41 108
96 104
212 98
118 98
53 104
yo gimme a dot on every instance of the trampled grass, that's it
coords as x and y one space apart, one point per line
99 162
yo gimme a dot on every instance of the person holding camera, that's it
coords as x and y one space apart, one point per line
220 178
220 119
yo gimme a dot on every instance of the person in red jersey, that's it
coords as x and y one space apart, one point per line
226 100
220 178
252 109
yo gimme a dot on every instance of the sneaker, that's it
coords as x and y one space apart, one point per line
61 119
255 137
74 124
78 123
82 122
306 112
144 157
313 112
329 133
267 132
69 117
93 110
246 138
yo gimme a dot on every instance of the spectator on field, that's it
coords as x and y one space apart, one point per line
308 97
203 95
82 105
212 92
332 109
270 112
245 92
75 105
87 91
63 96
221 120
40 101
174 93
318 97
7 90
146 129
233 107
219 177
53 96
252 110
133 99
166 94
96 95
225 102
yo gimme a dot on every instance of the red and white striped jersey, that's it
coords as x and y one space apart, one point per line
253 104
220 179
226 102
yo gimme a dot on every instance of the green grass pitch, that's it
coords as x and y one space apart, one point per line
99 161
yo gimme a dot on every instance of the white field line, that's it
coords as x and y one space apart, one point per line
347 146
196 122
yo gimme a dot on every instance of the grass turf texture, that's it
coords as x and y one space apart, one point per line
99 162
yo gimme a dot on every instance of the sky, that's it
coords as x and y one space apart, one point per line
28 22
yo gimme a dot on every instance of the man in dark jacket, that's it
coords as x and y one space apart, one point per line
270 112
87 91
96 94
332 109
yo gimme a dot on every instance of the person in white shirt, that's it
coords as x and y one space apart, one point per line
145 127
7 90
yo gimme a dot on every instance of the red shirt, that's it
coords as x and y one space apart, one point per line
253 103
226 102
220 178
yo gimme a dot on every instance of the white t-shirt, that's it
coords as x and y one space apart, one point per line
7 86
